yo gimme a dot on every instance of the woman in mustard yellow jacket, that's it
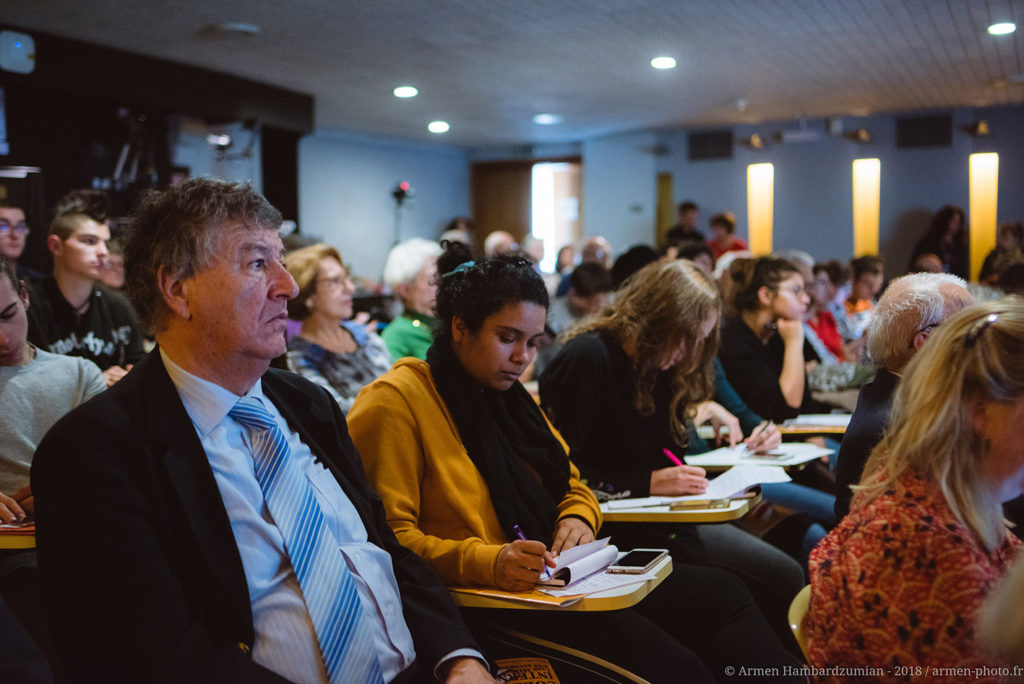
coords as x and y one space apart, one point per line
464 460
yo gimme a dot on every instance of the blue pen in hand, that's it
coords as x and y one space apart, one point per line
519 533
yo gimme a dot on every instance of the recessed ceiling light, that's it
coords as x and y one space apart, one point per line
1002 28
406 91
663 63
547 119
438 127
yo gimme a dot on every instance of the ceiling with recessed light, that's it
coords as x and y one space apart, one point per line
487 68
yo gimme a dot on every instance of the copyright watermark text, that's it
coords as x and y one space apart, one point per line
965 673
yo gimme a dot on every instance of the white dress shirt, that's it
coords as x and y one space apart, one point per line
285 637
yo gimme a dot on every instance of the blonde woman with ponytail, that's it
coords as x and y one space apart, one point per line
901 579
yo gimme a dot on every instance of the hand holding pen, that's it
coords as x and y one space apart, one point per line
680 480
763 438
520 563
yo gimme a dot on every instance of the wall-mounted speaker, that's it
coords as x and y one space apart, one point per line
924 131
709 145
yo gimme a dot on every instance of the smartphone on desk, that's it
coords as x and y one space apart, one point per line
637 561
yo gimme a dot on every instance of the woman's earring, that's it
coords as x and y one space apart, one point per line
309 303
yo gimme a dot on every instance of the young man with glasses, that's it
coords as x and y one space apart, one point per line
13 235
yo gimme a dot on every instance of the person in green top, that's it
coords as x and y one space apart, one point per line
410 272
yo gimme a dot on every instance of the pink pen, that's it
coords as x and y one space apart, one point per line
672 457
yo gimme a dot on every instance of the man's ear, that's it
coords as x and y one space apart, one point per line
402 290
175 293
54 243
920 338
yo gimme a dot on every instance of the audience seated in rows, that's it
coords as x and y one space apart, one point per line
500 242
762 348
1007 252
900 580
595 249
410 272
14 232
947 238
723 238
866 280
468 456
71 313
624 387
685 230
699 253
338 354
36 389
192 515
907 315
589 286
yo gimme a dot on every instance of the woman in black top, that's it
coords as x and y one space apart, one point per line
625 386
762 348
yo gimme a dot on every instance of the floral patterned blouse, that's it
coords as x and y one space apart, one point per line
343 375
895 588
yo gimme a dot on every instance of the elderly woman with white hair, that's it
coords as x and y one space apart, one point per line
410 273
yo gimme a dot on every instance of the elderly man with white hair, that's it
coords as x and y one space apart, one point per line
409 271
911 308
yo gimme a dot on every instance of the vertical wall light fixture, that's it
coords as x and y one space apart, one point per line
984 197
760 206
867 188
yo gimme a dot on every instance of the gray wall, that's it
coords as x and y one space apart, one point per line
345 185
813 195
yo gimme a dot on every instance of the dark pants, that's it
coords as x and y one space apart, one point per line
711 612
623 637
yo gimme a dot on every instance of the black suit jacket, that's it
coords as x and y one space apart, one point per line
140 570
869 421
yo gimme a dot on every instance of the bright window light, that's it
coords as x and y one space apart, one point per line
546 119
1002 28
406 91
663 63
438 127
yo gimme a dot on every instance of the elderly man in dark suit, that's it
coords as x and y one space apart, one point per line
910 309
207 519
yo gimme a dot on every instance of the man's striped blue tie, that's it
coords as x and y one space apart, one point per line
328 587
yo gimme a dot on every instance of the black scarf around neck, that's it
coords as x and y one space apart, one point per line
506 436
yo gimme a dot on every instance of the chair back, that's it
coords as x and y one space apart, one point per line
797 616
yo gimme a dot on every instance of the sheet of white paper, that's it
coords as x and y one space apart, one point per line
598 582
788 454
738 479
821 419
639 502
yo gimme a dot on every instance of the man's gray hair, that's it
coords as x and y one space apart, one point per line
910 304
407 259
178 230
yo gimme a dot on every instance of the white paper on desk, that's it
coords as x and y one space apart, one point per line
738 479
580 561
598 582
639 502
788 454
821 419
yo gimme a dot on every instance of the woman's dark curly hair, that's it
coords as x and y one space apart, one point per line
474 292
